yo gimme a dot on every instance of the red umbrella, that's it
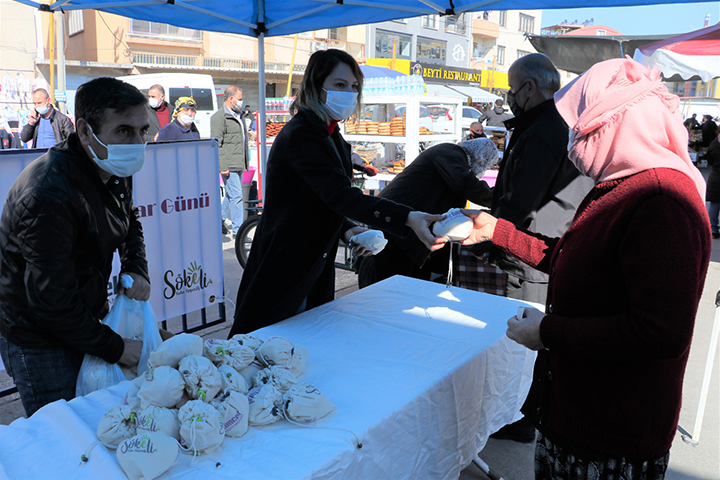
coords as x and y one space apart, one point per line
691 56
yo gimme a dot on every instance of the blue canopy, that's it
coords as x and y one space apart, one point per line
370 71
282 17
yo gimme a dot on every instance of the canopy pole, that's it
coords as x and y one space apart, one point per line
60 51
261 107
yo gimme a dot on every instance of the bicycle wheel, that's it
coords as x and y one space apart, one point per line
244 239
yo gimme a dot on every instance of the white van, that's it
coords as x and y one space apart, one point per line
199 86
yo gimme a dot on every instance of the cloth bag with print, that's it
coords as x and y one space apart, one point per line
159 419
247 340
305 404
131 397
118 424
264 405
163 387
229 352
201 427
281 378
174 349
276 351
297 363
202 379
147 455
248 373
232 380
234 408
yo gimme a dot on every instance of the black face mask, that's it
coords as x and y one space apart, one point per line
476 135
517 110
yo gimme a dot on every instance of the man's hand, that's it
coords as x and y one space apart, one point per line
33 117
524 328
131 352
483 226
226 172
420 222
357 249
140 289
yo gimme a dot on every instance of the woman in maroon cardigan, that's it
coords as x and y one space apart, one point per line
625 282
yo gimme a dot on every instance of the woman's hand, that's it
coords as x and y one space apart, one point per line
357 249
524 328
483 226
420 222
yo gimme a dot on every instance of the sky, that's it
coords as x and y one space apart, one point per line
644 20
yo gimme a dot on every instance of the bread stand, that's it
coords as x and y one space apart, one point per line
420 373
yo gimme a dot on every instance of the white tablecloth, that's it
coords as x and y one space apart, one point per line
421 373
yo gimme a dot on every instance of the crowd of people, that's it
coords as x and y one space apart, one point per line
597 218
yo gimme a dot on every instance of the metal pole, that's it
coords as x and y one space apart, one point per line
51 40
60 43
261 108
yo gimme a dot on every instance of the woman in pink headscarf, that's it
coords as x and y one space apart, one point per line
625 282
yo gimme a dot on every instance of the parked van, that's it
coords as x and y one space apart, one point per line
199 86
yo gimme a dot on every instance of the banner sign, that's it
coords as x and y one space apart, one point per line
432 73
178 198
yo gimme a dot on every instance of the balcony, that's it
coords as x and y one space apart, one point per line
485 29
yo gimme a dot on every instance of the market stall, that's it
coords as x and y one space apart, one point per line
420 374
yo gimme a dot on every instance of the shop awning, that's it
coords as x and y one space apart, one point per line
437 90
478 95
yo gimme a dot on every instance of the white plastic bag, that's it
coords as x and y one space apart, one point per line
305 404
201 427
174 349
147 456
118 424
129 319
163 386
234 408
202 379
265 405
158 419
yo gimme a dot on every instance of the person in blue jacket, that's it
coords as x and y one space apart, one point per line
183 125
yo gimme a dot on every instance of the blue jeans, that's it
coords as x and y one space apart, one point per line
42 375
232 205
714 211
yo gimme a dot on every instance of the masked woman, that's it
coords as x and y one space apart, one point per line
625 282
308 199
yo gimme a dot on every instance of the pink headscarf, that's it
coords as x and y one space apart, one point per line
624 121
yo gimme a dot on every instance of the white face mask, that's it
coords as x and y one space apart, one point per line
340 105
186 119
124 160
237 108
43 109
154 102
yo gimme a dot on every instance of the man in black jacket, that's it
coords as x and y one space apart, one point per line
537 187
46 125
64 216
440 178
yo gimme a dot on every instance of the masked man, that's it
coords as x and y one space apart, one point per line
65 215
46 126
159 111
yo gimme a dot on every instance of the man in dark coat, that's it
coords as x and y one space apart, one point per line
495 116
440 178
64 217
709 131
159 111
46 126
712 195
537 188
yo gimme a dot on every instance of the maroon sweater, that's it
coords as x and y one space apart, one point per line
625 283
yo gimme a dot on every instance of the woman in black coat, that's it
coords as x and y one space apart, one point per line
308 198
712 193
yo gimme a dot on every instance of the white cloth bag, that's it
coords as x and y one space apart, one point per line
276 351
163 386
118 424
202 379
282 378
305 404
232 380
201 427
234 408
174 349
265 405
147 456
159 419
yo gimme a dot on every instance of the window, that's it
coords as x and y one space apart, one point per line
333 34
429 21
502 20
384 44
522 53
163 30
75 22
456 24
430 50
601 33
527 23
202 96
500 55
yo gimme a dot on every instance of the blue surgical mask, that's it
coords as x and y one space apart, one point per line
43 109
124 160
340 105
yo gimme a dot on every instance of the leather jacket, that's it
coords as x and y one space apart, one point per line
59 228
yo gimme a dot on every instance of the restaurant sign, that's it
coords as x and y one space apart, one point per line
448 75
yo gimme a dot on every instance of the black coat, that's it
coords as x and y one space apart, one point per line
713 184
61 124
537 188
437 180
308 196
59 228
709 132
